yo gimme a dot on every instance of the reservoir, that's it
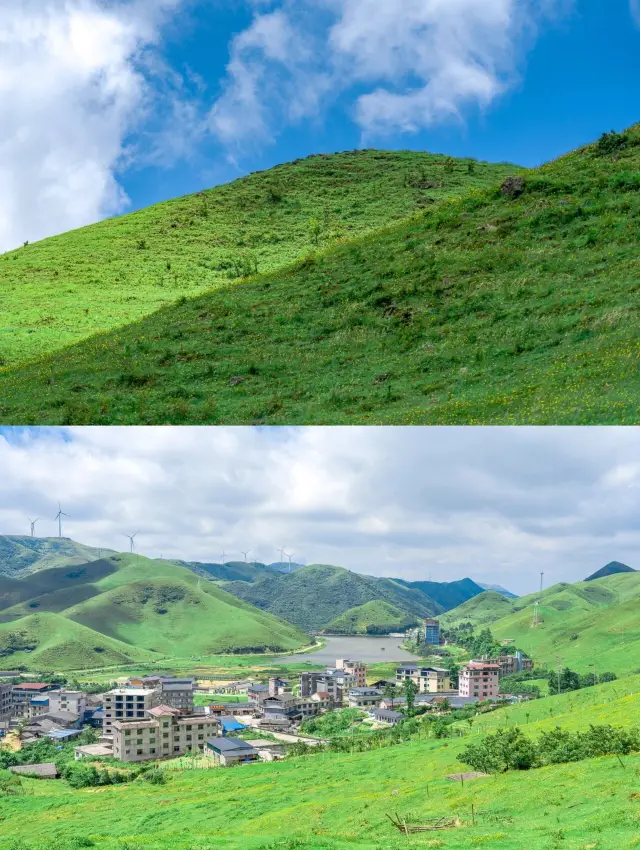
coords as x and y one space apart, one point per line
367 649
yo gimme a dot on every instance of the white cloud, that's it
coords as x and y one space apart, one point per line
496 504
406 66
73 86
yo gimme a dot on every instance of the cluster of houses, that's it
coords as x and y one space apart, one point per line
155 717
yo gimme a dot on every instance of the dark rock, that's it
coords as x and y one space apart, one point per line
235 380
512 187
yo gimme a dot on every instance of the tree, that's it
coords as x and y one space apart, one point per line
390 692
454 673
410 690
315 229
507 749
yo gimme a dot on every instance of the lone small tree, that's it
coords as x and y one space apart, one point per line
390 692
315 229
410 691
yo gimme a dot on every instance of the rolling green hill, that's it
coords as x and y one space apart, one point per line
587 623
128 608
29 554
448 594
371 618
102 277
512 305
229 571
341 801
610 569
312 597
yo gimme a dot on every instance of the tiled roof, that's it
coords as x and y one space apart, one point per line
162 710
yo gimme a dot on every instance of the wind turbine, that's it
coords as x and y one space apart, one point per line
33 525
59 516
282 554
130 538
245 554
290 557
223 556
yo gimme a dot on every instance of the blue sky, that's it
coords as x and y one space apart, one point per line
579 78
111 105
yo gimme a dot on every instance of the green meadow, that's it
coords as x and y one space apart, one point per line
99 278
334 801
481 308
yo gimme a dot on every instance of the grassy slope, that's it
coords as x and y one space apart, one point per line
229 571
109 274
142 604
18 553
341 801
604 614
63 645
485 309
377 613
480 610
315 595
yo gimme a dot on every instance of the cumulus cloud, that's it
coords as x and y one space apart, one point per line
406 68
497 504
74 84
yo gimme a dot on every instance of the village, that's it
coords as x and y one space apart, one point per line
161 717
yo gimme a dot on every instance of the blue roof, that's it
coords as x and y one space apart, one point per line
232 726
64 733
39 700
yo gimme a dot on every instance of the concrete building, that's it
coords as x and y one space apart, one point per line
479 679
127 704
364 697
257 694
355 669
6 702
230 751
177 693
385 715
429 680
431 631
510 664
167 733
286 707
92 751
22 694
73 701
309 682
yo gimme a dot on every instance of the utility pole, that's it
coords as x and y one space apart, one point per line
558 663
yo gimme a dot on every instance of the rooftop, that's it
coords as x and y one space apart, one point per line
230 745
481 665
33 686
95 750
162 710
45 771
387 714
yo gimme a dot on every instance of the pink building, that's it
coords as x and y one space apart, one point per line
479 679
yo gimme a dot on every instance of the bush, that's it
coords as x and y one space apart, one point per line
507 749
610 143
154 776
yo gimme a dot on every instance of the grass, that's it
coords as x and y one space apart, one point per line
102 277
481 309
19 553
376 614
207 699
340 801
587 623
126 609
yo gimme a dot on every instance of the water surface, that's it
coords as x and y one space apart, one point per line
367 649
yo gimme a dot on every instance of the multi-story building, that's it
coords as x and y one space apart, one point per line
429 680
166 733
356 669
309 682
479 679
257 694
6 702
126 705
510 664
73 701
176 693
22 694
431 631
287 707
364 697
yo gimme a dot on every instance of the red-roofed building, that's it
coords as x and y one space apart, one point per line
479 679
22 694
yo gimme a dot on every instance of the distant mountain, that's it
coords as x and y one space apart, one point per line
448 594
498 589
128 608
314 596
19 555
372 618
229 571
610 569
285 566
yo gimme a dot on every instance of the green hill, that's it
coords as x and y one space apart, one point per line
587 623
131 608
371 618
102 277
314 596
448 594
506 306
340 801
229 571
610 569
28 554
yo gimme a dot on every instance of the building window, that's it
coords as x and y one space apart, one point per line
139 752
127 731
200 726
152 750
138 740
165 734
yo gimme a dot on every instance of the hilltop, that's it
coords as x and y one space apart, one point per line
586 623
448 594
499 588
29 554
317 596
510 304
336 801
610 569
128 608
105 276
